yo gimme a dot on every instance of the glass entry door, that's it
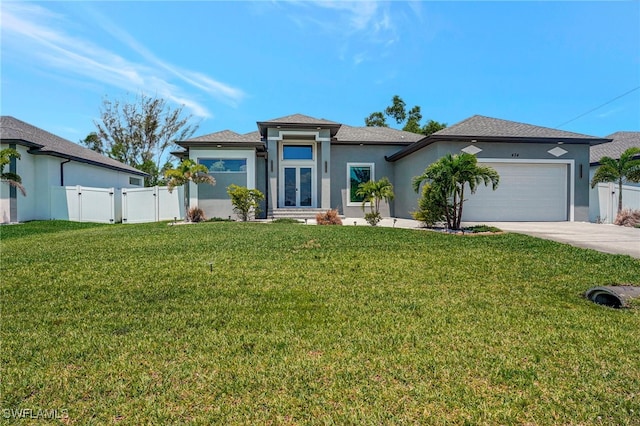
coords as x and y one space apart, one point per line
298 186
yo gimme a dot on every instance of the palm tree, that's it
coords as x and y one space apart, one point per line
626 169
373 192
188 171
449 175
11 178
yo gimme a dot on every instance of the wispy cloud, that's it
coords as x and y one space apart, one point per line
362 25
40 36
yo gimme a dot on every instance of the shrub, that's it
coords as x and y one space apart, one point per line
431 207
330 217
245 201
482 228
628 217
195 214
285 220
372 218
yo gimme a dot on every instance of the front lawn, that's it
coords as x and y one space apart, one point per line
246 323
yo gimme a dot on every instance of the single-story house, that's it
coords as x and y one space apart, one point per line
619 143
304 165
603 203
50 161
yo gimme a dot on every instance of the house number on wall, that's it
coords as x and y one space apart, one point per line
515 154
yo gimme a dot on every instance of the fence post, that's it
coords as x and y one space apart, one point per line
79 192
125 207
156 203
112 211
613 204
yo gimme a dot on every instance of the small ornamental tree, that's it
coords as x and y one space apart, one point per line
374 192
10 178
245 201
449 176
625 169
188 171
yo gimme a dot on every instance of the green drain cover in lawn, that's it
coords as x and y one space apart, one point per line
616 296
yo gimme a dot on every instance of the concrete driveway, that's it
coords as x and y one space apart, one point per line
605 238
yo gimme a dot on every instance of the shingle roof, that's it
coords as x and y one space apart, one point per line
496 130
480 126
620 143
221 136
375 134
43 142
301 119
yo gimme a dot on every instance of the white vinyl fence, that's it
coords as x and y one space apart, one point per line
154 204
603 201
85 204
108 205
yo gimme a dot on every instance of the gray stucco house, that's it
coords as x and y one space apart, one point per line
49 161
305 165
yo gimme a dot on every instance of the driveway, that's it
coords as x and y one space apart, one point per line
605 238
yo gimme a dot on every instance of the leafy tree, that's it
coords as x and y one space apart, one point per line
188 171
398 111
376 119
449 176
245 201
93 142
139 133
432 126
373 192
626 169
10 178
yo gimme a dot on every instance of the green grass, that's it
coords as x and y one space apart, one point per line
127 324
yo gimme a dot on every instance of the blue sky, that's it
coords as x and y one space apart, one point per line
234 63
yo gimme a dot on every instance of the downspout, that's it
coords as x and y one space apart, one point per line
266 185
62 171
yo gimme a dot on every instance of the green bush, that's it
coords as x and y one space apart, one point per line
372 218
431 207
285 220
245 201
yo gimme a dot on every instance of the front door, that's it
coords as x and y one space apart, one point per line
297 188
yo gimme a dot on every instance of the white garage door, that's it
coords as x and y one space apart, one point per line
527 192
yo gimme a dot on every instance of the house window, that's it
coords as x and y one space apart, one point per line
357 173
135 181
297 152
225 165
225 171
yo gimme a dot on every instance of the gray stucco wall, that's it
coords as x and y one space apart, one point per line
343 154
414 165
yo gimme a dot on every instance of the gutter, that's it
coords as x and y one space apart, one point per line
62 171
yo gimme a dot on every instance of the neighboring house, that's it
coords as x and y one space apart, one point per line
603 203
305 165
48 161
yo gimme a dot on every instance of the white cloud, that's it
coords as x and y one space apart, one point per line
364 30
39 35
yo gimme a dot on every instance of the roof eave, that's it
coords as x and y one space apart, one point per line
520 139
21 142
496 139
264 125
86 161
213 144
